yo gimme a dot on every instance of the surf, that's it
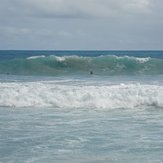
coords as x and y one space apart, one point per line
49 94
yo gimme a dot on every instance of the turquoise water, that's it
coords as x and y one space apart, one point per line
54 135
114 115
65 63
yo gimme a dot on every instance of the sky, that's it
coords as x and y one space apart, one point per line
81 24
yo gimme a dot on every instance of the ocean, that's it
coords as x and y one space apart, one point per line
81 106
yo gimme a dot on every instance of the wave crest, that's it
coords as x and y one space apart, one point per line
101 65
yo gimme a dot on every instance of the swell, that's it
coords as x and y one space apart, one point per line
101 65
46 94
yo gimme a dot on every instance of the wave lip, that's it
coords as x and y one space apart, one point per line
44 94
140 59
36 57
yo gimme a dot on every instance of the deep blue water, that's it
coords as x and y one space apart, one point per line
53 110
10 54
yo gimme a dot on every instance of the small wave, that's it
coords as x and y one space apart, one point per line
44 94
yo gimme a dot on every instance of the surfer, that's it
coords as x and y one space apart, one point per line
91 72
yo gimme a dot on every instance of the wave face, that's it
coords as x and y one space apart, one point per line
101 65
47 94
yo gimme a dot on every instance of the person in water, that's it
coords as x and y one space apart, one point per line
91 72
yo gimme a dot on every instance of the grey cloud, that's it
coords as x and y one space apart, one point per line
75 8
81 24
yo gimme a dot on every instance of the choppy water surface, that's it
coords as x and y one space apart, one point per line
54 135
114 119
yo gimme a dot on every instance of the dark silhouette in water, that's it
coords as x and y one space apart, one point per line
91 72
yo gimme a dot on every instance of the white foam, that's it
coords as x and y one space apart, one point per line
35 57
139 59
143 60
44 94
63 58
60 59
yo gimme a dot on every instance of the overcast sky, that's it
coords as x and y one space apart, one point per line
81 24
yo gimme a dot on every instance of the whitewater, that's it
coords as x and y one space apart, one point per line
50 94
54 110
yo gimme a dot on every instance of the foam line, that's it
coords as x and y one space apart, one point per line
44 94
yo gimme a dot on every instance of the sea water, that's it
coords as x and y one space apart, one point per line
53 110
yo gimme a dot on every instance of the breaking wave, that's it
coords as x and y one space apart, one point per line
47 94
101 65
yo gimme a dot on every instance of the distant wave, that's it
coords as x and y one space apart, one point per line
46 94
101 65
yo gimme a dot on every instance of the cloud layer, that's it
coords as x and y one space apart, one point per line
76 8
86 24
